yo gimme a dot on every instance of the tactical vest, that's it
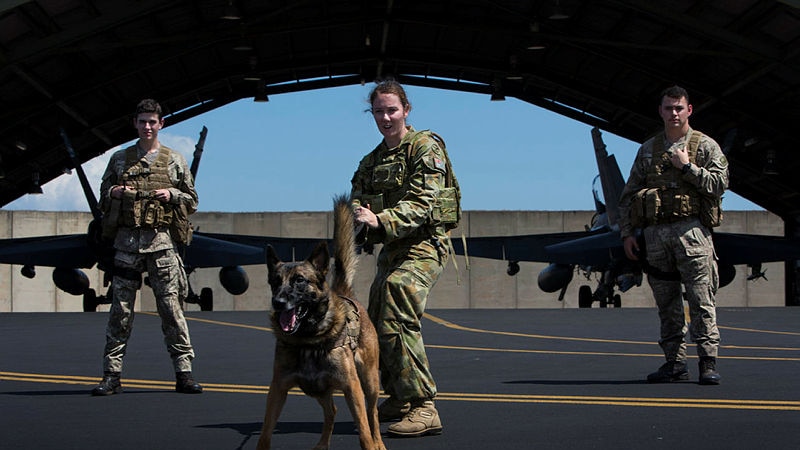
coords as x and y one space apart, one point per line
139 207
668 197
389 183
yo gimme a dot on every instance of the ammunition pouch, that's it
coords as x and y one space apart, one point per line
710 211
645 206
653 206
181 228
140 209
445 209
111 217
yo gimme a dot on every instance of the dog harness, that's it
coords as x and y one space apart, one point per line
352 327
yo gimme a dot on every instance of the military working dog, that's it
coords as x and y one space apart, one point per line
324 339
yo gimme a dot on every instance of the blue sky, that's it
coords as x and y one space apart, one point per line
296 151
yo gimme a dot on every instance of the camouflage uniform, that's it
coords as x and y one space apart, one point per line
409 178
682 245
149 249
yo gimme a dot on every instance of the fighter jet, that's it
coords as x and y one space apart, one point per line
68 254
599 250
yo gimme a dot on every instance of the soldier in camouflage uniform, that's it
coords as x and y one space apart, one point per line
394 192
674 193
143 189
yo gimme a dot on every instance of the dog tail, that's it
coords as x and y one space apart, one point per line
344 242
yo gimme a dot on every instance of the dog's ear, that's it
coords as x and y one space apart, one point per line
272 259
320 258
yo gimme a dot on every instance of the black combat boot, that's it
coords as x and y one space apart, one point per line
670 371
109 385
185 384
708 370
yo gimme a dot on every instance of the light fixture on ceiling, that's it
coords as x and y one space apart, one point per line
243 45
35 187
231 12
21 146
535 42
253 74
367 41
771 163
558 14
261 93
514 73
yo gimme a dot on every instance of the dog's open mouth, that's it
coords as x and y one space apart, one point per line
290 319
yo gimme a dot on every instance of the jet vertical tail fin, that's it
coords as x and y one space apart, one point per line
87 188
610 177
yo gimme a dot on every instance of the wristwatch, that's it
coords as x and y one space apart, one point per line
686 168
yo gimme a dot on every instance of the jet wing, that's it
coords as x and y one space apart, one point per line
731 248
206 250
71 250
735 248
594 250
529 247
288 249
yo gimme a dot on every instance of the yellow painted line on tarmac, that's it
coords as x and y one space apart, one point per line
753 330
652 402
219 322
588 353
455 326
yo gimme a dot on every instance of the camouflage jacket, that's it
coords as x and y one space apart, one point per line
709 173
401 185
147 240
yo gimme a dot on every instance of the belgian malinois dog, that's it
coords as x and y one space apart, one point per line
324 338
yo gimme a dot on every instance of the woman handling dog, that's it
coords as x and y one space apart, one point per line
395 194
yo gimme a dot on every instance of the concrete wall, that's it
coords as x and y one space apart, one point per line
480 284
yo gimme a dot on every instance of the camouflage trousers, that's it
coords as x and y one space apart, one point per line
170 286
397 301
685 247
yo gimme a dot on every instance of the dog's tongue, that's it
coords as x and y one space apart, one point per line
288 320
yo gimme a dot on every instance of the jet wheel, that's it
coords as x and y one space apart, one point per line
206 299
585 297
617 301
90 300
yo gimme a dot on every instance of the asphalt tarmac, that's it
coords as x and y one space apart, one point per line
529 379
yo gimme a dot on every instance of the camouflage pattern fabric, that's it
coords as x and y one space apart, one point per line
146 239
684 246
151 250
708 177
397 300
408 178
169 283
687 246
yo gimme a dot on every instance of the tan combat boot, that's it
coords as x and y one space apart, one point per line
393 409
422 420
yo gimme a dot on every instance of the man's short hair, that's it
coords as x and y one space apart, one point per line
674 92
148 105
